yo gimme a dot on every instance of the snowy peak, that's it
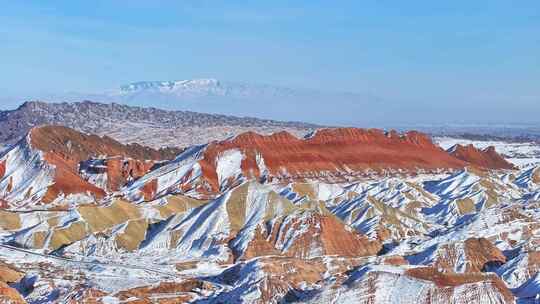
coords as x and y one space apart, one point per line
171 86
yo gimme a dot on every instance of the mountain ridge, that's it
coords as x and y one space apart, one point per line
127 124
237 98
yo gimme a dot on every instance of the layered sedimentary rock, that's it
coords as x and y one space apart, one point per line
487 158
9 275
50 164
330 155
332 152
58 164
344 215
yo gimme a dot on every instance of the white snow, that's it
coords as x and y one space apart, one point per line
228 165
27 175
520 154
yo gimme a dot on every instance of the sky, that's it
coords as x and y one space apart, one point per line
442 55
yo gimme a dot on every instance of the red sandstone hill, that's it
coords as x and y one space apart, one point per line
339 151
487 158
45 164
77 146
67 148
329 155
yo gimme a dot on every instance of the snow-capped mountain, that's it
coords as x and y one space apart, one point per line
214 87
240 99
247 99
180 87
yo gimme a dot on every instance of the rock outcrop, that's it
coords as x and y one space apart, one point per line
46 166
487 158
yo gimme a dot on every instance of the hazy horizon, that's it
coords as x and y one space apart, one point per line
475 62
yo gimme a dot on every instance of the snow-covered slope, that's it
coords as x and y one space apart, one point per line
522 154
270 219
55 166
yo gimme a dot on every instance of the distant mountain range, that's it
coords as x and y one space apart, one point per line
239 99
128 124
321 106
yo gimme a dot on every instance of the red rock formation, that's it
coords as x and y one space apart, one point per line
170 292
120 170
469 256
487 158
77 146
333 151
2 168
318 234
67 181
66 148
395 260
149 190
455 279
479 252
9 274
10 295
276 276
258 246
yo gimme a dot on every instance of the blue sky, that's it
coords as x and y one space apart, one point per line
418 53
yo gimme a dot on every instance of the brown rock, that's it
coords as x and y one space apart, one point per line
395 260
279 275
487 158
334 151
175 292
78 146
479 252
120 170
2 168
319 234
536 176
9 295
9 274
453 279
